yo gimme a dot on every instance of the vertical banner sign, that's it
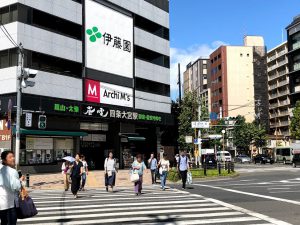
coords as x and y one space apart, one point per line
109 40
28 120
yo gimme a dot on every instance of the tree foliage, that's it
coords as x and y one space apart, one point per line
245 134
188 113
295 122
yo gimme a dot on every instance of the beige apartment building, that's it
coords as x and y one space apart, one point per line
278 89
234 78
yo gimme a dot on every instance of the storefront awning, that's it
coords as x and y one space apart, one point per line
51 133
132 136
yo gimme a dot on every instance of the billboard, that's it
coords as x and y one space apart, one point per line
100 92
109 40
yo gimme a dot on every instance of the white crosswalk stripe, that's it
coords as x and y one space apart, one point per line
172 207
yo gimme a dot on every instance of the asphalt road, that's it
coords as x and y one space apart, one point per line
270 190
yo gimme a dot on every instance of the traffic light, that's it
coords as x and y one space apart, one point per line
28 73
42 122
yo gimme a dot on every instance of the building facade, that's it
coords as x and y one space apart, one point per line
234 76
293 38
103 79
196 78
278 88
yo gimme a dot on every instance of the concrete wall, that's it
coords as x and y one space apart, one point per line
240 82
152 102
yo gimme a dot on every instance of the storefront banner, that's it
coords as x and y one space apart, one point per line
100 92
39 143
103 112
109 40
5 135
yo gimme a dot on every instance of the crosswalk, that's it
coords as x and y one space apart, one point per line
123 207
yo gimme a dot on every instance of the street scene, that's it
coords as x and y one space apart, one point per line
159 112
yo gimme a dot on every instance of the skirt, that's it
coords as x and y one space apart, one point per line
110 181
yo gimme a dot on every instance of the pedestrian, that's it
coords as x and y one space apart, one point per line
85 172
138 166
176 159
77 169
164 167
10 185
110 169
183 167
65 170
152 162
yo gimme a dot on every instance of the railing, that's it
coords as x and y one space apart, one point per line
282 53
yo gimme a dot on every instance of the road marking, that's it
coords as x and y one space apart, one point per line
277 192
252 194
249 212
282 188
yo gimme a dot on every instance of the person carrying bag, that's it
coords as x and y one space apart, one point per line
25 206
110 169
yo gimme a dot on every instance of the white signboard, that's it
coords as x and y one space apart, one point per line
200 124
109 40
1 124
188 139
100 92
39 143
28 120
215 136
99 137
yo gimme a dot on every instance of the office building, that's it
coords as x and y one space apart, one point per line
103 79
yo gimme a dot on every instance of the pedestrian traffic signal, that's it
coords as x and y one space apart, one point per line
28 73
42 122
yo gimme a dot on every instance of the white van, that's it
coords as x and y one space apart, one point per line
223 156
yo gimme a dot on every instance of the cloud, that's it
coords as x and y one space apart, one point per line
184 57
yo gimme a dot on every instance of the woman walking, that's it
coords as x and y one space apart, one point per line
85 173
65 170
138 166
76 175
164 167
110 170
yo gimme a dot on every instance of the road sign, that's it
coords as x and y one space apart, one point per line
42 122
197 141
215 136
28 120
188 139
200 124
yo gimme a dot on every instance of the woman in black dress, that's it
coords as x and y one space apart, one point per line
77 169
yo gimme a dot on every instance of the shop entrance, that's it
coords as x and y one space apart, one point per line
94 153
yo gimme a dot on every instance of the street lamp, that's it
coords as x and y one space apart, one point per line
223 134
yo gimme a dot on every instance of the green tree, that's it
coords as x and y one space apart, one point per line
295 122
188 113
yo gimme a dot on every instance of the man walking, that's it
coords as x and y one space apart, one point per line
183 167
152 162
10 185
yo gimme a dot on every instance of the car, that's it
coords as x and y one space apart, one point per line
296 160
223 156
243 159
263 159
211 161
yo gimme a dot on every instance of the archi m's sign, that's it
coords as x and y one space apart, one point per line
100 92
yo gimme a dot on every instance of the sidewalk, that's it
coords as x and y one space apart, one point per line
95 179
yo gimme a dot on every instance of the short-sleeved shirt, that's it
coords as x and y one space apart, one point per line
164 165
76 169
153 164
183 163
84 166
141 166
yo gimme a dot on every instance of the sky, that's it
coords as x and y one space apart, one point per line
197 27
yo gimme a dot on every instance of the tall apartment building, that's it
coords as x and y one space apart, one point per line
234 77
278 88
293 38
103 80
196 77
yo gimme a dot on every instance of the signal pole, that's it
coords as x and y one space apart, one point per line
19 93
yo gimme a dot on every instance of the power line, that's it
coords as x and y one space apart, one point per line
7 34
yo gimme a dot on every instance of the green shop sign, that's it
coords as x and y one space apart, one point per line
66 108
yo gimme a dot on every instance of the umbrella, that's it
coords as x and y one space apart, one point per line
69 158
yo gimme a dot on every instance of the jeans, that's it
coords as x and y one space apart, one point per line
153 175
83 177
163 179
8 216
183 175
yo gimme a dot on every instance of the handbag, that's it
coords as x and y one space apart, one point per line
134 177
189 178
109 173
26 207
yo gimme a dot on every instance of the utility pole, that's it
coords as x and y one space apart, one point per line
179 84
199 135
19 92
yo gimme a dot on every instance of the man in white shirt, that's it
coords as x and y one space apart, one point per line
10 185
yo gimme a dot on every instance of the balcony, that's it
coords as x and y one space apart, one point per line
283 52
283 62
296 45
272 58
273 105
284 103
282 83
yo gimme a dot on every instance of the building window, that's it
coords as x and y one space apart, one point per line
204 66
152 57
219 56
248 55
241 54
152 87
8 58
